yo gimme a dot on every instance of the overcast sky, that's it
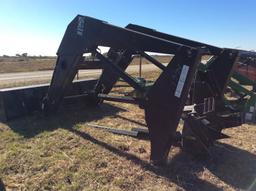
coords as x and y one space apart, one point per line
37 27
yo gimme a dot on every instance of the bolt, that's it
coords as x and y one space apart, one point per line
189 52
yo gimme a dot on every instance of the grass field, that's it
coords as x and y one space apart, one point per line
29 64
62 152
13 64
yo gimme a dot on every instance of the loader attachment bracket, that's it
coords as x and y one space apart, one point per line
166 100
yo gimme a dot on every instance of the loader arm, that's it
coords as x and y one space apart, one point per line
211 49
217 71
206 92
163 102
184 80
84 35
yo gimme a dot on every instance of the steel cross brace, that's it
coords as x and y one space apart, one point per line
163 102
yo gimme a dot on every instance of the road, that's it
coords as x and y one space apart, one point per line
37 76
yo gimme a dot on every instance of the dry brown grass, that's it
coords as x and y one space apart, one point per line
12 64
8 65
62 152
162 59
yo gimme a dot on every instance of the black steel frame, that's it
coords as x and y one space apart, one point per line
163 102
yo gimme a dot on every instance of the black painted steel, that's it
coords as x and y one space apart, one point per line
181 81
153 61
209 84
212 49
168 94
118 71
166 100
22 101
123 99
85 34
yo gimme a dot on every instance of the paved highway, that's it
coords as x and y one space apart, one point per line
23 77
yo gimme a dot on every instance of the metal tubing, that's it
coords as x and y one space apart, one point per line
153 61
126 77
124 99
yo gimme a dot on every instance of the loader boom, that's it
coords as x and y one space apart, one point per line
186 89
163 102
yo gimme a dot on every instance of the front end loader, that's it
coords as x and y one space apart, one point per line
185 90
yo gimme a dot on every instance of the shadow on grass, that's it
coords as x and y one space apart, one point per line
2 187
65 118
233 166
131 120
